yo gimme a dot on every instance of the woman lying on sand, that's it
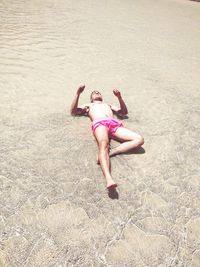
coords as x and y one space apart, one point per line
105 127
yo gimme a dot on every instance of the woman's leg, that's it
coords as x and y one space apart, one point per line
129 140
101 134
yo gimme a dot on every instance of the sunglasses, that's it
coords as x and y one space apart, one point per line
95 92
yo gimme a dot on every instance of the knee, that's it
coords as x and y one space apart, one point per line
103 145
141 141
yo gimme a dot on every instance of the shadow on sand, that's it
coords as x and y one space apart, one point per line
139 150
113 194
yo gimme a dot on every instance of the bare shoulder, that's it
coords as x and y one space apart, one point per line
86 107
82 110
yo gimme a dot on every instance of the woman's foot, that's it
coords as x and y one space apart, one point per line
111 185
113 152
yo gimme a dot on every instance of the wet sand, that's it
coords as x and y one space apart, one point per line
55 209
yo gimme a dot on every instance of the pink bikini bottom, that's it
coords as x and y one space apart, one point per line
110 123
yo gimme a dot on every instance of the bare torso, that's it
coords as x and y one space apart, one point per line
99 110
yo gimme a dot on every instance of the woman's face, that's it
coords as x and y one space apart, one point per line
96 95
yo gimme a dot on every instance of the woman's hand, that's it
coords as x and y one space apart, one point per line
117 93
80 89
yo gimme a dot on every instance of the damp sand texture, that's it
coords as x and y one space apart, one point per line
54 208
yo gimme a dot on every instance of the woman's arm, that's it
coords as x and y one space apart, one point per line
123 108
75 110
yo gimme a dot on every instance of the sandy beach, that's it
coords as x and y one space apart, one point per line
55 210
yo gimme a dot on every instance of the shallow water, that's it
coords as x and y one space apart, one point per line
49 47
